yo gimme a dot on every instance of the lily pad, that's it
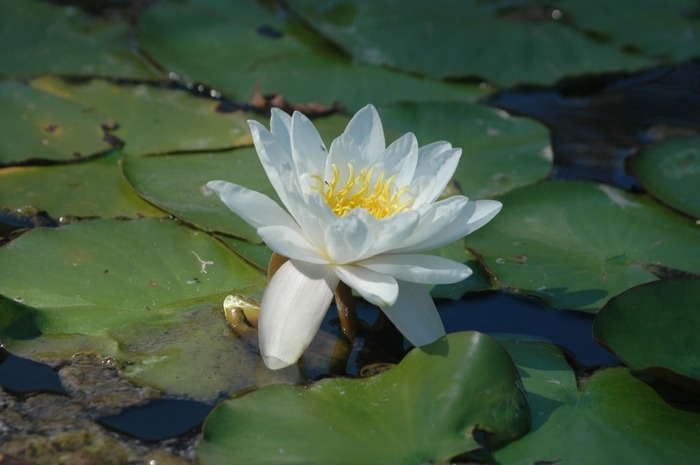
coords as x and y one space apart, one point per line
478 281
499 152
504 42
427 409
670 171
666 28
654 328
65 40
151 119
262 49
257 255
39 126
577 244
613 417
94 188
142 291
183 192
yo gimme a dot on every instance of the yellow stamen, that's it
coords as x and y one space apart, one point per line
380 198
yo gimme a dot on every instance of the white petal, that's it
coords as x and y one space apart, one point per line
292 309
346 239
433 219
344 151
418 268
291 243
473 216
366 128
378 289
484 211
400 159
276 161
433 149
305 212
278 165
256 209
308 150
435 169
280 127
415 315
388 232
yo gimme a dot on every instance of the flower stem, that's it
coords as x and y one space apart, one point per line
346 310
341 354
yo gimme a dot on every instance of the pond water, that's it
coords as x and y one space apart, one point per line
597 124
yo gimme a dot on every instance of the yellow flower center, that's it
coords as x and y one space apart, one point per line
379 197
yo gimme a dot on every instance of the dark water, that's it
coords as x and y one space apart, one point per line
598 123
499 313
22 376
159 420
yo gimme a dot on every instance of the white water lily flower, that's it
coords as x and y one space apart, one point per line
359 213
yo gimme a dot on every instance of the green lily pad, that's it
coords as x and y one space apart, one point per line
94 188
499 152
612 418
654 328
257 255
478 281
670 171
37 37
141 291
39 126
182 191
152 119
261 49
667 28
427 409
577 244
504 42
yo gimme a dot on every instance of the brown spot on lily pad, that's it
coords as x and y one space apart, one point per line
53 128
311 109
